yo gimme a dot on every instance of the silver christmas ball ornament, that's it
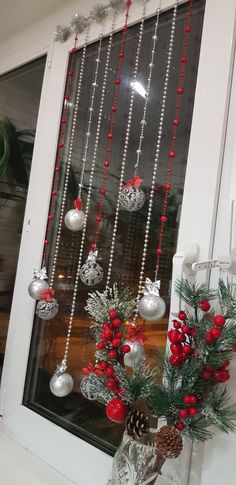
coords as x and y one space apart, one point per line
74 220
61 384
87 388
36 288
151 308
132 198
47 309
91 273
135 355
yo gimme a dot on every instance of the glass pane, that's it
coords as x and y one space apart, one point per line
84 418
20 92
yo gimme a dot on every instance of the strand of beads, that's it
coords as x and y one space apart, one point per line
126 143
39 285
74 218
47 307
60 385
176 123
151 305
132 196
91 272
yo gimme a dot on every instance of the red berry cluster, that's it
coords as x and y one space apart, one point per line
219 374
110 337
190 410
103 369
181 339
215 332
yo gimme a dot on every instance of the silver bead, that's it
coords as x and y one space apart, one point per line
74 220
61 385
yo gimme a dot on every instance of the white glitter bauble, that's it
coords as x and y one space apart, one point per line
151 308
86 388
135 355
61 385
91 273
47 309
36 288
74 220
132 198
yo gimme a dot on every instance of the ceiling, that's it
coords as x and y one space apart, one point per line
18 15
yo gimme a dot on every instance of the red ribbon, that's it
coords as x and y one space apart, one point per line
136 181
136 334
47 295
77 203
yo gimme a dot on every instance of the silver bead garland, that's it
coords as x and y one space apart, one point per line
156 159
126 143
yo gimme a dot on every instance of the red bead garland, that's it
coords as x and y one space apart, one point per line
110 133
175 124
60 144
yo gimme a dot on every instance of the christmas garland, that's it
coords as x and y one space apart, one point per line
187 387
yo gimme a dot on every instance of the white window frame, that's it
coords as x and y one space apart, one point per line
70 455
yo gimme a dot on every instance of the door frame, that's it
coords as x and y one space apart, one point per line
197 224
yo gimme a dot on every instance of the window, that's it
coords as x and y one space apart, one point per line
84 418
20 92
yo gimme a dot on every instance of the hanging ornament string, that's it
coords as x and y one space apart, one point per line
57 382
156 159
75 218
126 143
111 128
176 123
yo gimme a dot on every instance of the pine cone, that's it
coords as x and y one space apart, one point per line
169 442
137 423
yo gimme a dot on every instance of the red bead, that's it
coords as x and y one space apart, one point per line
106 163
194 332
180 90
116 410
176 324
179 426
70 74
186 329
187 399
206 374
50 217
103 364
193 399
208 368
188 29
182 315
105 325
172 154
109 372
219 320
46 242
173 336
204 305
67 97
176 349
208 338
193 411
54 193
114 109
112 354
118 334
186 349
101 345
183 413
225 363
184 59
93 246
112 314
159 251
108 334
63 121
163 218
74 50
125 28
121 54
176 122
117 81
61 145
181 337
215 333
99 218
167 186
110 384
115 342
109 136
175 360
128 3
224 376
125 349
57 169
102 191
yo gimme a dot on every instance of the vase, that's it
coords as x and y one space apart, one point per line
135 463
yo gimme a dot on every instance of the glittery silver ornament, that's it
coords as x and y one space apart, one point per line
61 384
79 23
86 388
98 13
135 355
132 198
47 309
38 284
62 33
91 273
151 306
74 220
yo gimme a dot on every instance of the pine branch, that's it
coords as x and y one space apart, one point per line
192 293
227 299
219 411
115 298
197 429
